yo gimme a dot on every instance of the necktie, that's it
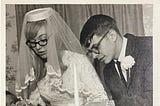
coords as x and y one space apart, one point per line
120 72
128 75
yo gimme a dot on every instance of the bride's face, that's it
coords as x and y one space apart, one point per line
39 43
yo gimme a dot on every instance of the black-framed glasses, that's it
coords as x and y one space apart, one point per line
32 44
95 47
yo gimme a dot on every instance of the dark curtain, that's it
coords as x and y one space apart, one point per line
129 17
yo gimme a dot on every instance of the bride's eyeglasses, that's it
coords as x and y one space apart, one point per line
95 47
33 44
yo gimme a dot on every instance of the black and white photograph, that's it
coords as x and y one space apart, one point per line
79 54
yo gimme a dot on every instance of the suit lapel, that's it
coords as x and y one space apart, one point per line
131 50
116 78
131 45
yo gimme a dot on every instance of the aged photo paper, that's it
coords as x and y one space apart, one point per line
75 14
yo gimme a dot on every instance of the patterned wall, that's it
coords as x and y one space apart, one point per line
11 47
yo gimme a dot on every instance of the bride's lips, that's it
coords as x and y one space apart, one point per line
41 52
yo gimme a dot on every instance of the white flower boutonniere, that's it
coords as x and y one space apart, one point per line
127 62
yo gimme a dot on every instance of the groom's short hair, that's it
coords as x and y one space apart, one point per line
97 24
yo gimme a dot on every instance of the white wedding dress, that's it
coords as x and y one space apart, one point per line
59 89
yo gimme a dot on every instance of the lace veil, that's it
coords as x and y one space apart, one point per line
60 37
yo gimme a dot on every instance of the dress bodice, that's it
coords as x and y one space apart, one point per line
58 88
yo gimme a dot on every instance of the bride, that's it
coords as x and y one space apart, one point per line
51 60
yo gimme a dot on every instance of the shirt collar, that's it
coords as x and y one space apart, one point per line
124 45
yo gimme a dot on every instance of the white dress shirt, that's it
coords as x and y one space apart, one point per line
122 55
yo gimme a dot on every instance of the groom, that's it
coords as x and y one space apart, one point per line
128 60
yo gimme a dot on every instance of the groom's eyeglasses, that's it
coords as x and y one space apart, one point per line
95 47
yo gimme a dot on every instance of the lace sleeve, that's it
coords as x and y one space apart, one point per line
91 82
90 86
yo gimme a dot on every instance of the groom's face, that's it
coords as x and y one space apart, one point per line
106 48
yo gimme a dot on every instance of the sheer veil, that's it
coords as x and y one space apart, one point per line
60 37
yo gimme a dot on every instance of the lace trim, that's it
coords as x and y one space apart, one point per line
57 81
30 76
21 88
51 71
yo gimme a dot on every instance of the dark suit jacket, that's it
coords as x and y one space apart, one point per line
139 87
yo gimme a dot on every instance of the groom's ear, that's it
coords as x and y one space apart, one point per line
112 35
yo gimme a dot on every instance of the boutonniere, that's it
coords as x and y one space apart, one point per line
127 62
